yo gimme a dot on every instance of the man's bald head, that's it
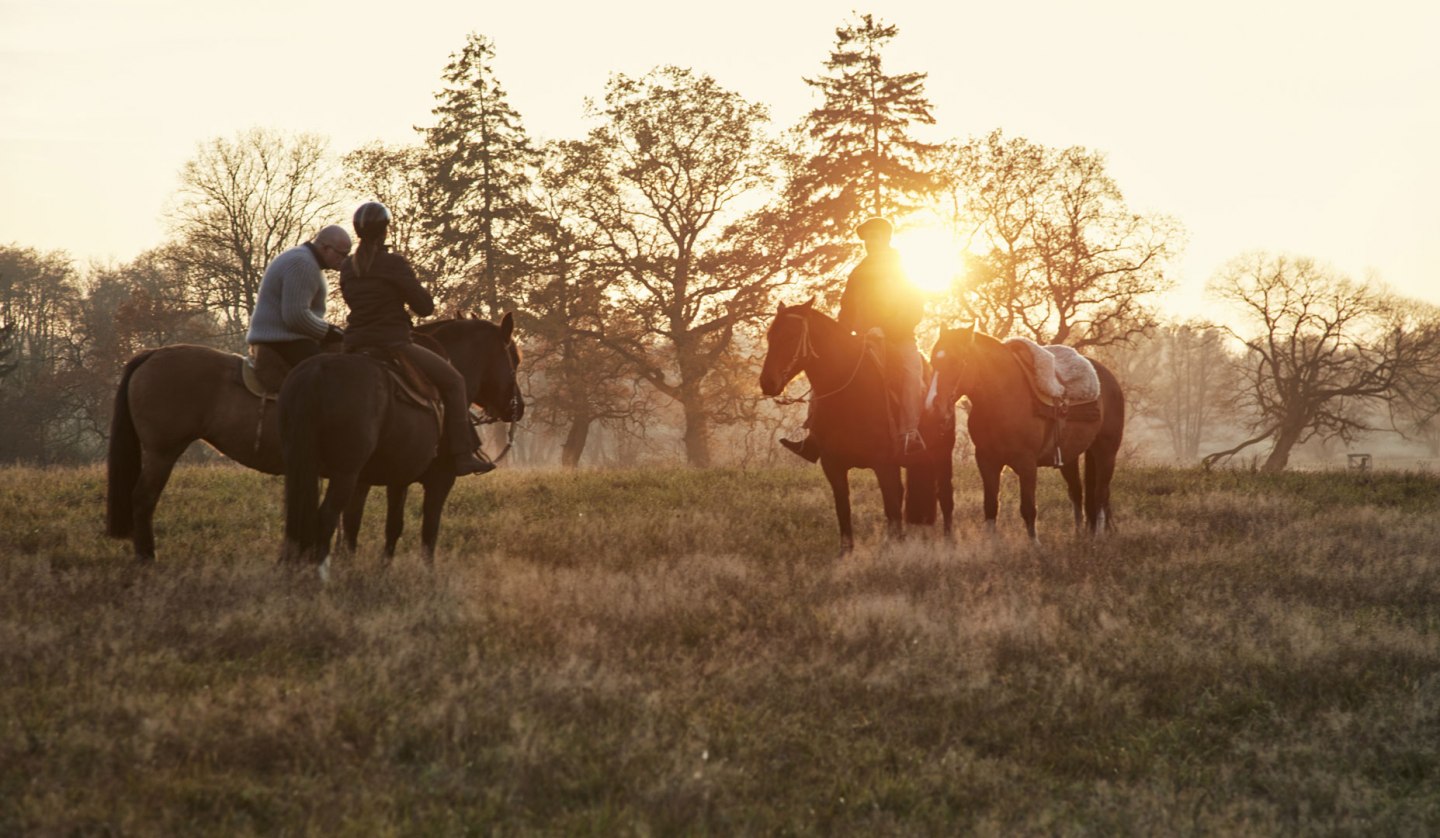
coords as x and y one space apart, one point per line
334 245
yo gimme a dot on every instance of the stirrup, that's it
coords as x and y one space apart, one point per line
468 463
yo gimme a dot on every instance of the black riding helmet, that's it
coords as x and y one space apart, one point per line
372 220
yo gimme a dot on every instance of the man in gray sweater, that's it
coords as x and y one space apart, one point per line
289 315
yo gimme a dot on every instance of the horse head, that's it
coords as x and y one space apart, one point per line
953 359
788 346
486 354
499 390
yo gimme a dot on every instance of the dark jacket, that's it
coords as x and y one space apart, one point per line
377 300
878 293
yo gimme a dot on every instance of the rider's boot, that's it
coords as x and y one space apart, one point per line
467 463
806 448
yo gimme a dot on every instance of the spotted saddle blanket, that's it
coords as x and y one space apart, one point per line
1060 378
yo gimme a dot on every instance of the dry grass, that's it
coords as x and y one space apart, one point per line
678 651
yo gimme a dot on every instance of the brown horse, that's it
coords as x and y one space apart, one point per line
1007 428
172 396
850 421
339 417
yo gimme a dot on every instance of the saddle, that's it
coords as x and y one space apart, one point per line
264 370
1063 384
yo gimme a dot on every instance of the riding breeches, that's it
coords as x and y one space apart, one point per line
906 373
459 439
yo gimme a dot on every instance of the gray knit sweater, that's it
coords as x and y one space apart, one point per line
291 303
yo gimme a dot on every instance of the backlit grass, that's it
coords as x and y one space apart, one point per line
680 651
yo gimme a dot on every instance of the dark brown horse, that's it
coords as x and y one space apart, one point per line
339 417
850 421
1008 429
172 396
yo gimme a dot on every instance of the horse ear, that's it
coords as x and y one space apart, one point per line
507 326
810 303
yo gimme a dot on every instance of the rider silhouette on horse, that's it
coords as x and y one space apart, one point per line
378 285
881 304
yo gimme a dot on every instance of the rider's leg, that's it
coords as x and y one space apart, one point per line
458 441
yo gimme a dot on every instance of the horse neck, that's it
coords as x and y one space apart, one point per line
463 346
992 369
836 354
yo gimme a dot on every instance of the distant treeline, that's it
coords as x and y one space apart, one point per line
643 258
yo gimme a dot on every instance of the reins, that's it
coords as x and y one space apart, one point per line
805 348
484 418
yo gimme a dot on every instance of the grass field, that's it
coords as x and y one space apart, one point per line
665 652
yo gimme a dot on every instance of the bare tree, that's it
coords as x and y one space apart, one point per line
675 157
1319 351
394 175
39 298
242 202
1062 258
1181 376
578 381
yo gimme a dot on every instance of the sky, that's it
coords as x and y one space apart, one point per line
1302 127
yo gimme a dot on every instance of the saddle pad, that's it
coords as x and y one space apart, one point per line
251 379
1057 373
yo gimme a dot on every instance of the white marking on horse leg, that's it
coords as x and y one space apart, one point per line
325 570
1100 522
932 392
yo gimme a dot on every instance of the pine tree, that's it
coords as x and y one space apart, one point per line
481 163
865 162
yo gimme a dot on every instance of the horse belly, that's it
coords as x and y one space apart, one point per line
247 431
1075 439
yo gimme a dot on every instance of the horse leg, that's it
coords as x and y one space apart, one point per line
1027 472
1099 469
394 517
1071 472
437 490
892 495
990 487
839 478
945 488
337 496
154 474
350 520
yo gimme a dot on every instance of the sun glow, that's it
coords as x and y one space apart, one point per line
932 257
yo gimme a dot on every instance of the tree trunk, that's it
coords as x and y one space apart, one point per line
1285 440
697 431
575 441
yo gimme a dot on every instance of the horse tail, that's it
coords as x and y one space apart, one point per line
122 469
921 498
300 404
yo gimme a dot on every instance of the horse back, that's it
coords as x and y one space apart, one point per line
348 406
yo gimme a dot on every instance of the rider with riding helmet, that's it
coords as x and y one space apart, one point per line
377 285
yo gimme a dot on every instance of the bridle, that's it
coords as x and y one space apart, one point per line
483 417
961 363
805 350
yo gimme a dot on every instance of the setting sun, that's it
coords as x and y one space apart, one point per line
932 256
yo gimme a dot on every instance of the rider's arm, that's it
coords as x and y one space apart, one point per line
415 296
300 295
